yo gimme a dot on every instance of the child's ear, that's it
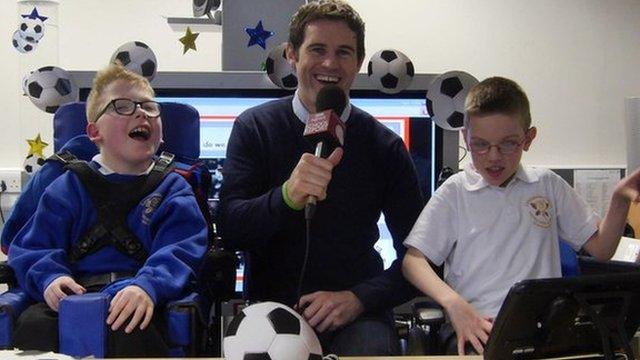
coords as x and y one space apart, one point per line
93 132
464 134
530 135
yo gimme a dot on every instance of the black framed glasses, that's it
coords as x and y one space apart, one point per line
128 107
506 147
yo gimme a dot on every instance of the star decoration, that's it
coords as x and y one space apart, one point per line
258 35
36 146
34 15
189 41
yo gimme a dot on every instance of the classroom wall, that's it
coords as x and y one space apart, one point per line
577 59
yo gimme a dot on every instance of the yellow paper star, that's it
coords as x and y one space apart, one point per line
189 41
36 146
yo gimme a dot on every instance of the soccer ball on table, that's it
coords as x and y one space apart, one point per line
137 57
390 71
49 87
270 330
445 98
279 70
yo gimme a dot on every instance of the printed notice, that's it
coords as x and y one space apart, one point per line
596 187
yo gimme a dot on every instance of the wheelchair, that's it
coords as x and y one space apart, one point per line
83 331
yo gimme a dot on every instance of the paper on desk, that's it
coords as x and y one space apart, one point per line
32 355
596 187
628 250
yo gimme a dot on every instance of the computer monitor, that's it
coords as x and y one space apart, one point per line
549 318
220 97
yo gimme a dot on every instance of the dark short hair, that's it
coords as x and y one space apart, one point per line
326 10
498 95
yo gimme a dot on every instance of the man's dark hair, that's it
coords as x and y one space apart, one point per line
326 10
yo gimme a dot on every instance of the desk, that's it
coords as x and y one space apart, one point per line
475 357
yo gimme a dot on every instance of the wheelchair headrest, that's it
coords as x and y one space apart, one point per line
180 128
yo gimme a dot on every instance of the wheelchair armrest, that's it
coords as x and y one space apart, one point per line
83 319
428 313
185 319
590 266
6 274
12 304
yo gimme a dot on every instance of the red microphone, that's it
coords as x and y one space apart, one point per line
325 129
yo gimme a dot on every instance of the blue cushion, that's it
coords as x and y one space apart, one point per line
83 329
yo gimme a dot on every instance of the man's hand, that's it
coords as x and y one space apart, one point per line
327 311
311 176
59 288
469 325
132 300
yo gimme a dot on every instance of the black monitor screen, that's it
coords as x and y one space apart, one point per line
567 317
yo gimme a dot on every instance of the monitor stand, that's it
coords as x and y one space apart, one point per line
608 312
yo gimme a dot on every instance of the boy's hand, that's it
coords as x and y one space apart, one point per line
469 325
311 176
330 310
59 288
132 300
629 187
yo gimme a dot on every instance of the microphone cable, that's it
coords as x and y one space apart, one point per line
307 240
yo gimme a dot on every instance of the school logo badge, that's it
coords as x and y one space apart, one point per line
150 204
539 207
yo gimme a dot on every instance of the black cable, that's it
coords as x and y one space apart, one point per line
304 262
464 155
1 211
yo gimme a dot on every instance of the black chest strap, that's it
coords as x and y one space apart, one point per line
113 203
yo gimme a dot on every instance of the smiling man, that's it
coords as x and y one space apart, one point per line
270 172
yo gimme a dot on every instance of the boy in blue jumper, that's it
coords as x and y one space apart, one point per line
498 222
124 122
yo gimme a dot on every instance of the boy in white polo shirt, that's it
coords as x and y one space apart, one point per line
497 222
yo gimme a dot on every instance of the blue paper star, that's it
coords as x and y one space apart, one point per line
34 15
258 35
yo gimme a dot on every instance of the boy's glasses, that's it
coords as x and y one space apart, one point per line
506 147
128 107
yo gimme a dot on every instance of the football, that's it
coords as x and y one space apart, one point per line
390 71
25 82
33 163
31 29
445 98
137 57
270 330
49 87
279 70
21 44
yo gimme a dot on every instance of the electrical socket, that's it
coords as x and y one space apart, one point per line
13 180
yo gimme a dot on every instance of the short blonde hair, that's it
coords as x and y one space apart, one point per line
498 95
106 77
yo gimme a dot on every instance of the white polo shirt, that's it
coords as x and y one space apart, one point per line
491 237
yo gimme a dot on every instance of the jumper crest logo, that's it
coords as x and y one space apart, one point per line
539 207
150 205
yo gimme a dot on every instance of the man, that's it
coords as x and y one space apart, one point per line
270 172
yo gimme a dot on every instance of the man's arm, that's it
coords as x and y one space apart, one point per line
252 208
403 202
604 242
250 211
327 310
